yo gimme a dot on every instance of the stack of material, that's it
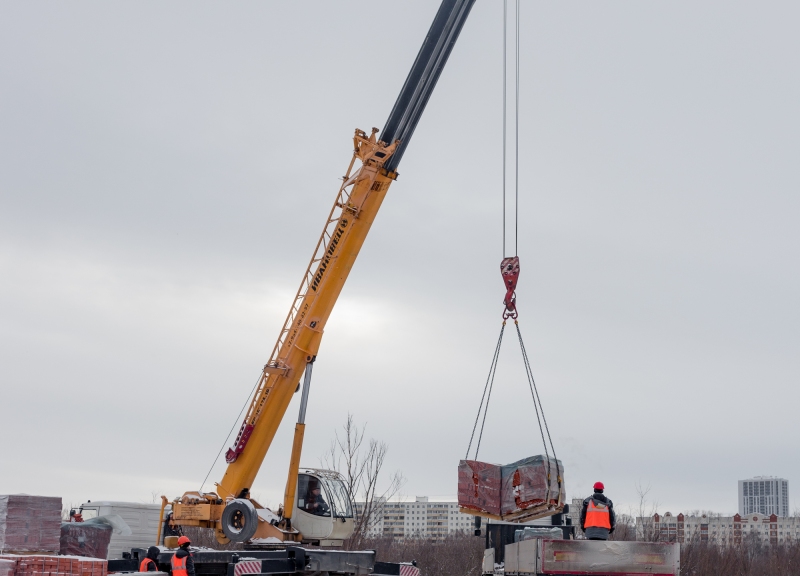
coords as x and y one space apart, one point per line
531 532
30 523
40 565
85 539
525 490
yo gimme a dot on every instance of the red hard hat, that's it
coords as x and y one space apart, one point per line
183 540
599 486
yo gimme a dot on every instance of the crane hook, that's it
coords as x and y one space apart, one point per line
509 268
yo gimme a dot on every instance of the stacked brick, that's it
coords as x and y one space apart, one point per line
40 565
30 523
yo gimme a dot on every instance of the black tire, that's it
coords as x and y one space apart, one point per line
239 520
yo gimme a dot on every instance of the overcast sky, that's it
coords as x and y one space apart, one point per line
166 169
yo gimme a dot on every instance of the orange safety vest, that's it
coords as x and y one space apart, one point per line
597 516
179 565
145 563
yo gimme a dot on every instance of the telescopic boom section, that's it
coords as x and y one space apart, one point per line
349 221
424 74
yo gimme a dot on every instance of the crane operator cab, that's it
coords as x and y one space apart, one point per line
323 511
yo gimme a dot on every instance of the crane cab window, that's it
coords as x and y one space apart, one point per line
311 496
88 513
339 498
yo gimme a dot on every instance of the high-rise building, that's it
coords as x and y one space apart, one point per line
764 495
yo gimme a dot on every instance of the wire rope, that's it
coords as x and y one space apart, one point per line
489 385
516 143
505 122
483 408
235 422
516 125
537 402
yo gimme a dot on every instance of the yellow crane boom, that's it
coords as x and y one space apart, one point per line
349 221
230 510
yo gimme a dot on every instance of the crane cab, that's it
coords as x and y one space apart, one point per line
322 511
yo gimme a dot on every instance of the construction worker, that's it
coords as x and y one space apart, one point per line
597 515
182 563
150 562
169 529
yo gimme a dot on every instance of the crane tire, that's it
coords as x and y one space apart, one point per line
239 520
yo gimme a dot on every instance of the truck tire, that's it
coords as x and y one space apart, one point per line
239 520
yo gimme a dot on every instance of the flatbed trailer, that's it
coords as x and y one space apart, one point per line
290 560
543 557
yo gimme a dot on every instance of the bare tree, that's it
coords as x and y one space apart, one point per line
455 555
361 465
625 528
645 521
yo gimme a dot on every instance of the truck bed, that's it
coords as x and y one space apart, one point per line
540 557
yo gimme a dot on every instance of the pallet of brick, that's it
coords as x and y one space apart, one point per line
41 565
524 490
91 567
85 539
30 523
94 567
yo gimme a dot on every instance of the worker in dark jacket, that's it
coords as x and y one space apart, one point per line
182 563
597 515
150 562
169 529
314 502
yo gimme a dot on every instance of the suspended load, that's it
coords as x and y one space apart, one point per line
524 490
529 488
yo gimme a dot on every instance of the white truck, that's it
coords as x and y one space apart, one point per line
142 519
542 557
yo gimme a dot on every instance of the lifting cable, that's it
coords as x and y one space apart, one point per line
509 268
235 422
483 408
516 124
537 405
544 429
488 386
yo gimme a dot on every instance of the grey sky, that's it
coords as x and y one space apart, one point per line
165 170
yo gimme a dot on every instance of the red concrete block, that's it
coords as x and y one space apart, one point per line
526 489
479 486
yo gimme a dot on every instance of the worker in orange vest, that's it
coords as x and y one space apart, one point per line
597 515
150 562
182 563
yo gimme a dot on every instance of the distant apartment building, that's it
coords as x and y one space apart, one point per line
419 519
764 495
574 515
724 530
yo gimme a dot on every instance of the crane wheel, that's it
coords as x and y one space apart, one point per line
239 520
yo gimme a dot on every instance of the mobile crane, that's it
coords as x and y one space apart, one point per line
237 517
230 510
